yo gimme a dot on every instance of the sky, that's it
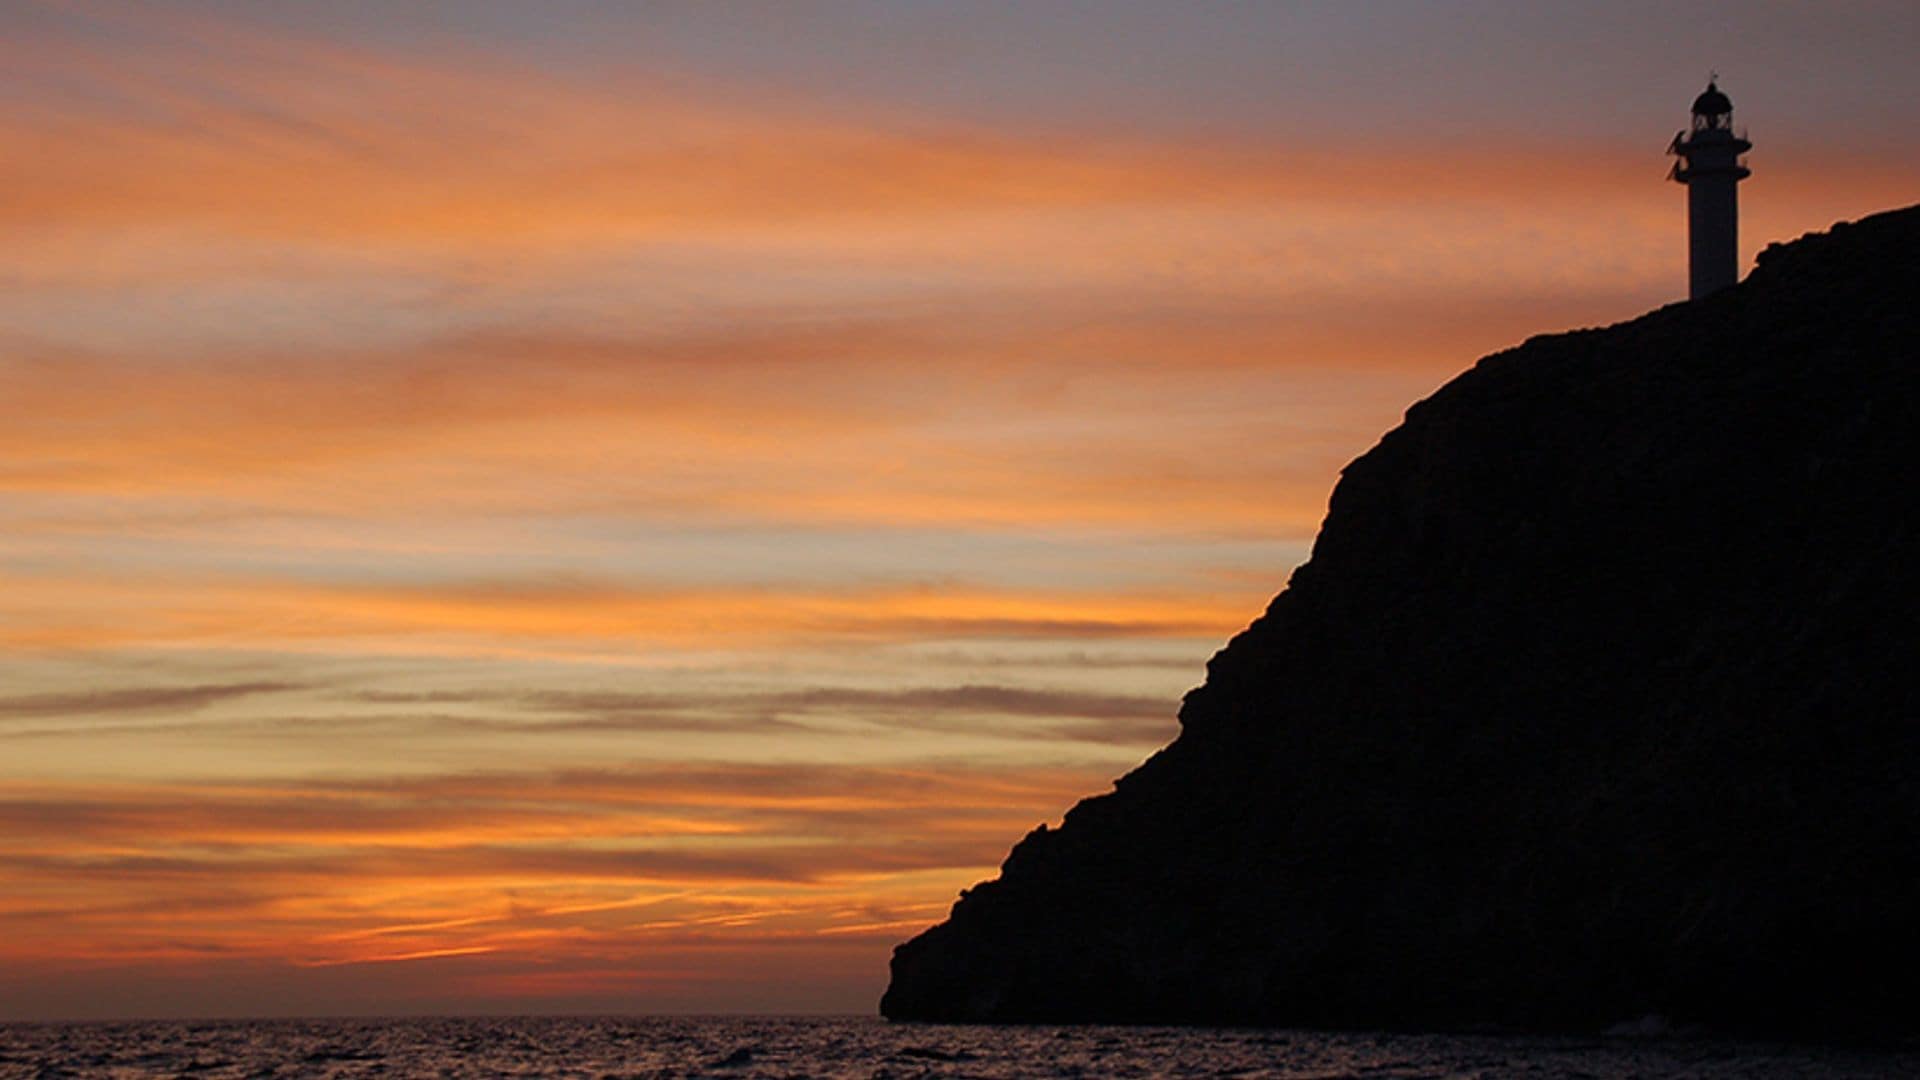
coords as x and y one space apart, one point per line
601 507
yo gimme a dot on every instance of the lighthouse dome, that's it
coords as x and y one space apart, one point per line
1712 103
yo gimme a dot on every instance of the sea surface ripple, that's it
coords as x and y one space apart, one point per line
790 1048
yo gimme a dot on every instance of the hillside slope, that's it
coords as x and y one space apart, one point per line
1597 698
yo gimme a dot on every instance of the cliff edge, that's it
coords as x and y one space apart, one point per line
1599 697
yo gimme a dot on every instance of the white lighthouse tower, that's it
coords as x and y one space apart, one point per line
1710 165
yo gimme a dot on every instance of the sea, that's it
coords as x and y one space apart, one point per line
790 1048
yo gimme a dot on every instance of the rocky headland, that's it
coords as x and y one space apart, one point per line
1598 698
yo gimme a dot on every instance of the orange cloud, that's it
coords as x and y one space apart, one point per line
295 137
604 863
748 437
98 611
299 136
302 141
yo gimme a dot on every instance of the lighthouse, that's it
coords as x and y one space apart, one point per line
1711 165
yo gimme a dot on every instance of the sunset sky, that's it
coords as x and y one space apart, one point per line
605 507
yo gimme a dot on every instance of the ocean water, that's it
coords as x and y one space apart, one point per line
741 1048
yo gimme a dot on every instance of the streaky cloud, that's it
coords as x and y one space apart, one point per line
134 699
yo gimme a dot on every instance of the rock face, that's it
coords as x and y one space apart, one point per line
1599 697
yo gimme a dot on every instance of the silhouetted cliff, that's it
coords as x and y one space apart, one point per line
1599 697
